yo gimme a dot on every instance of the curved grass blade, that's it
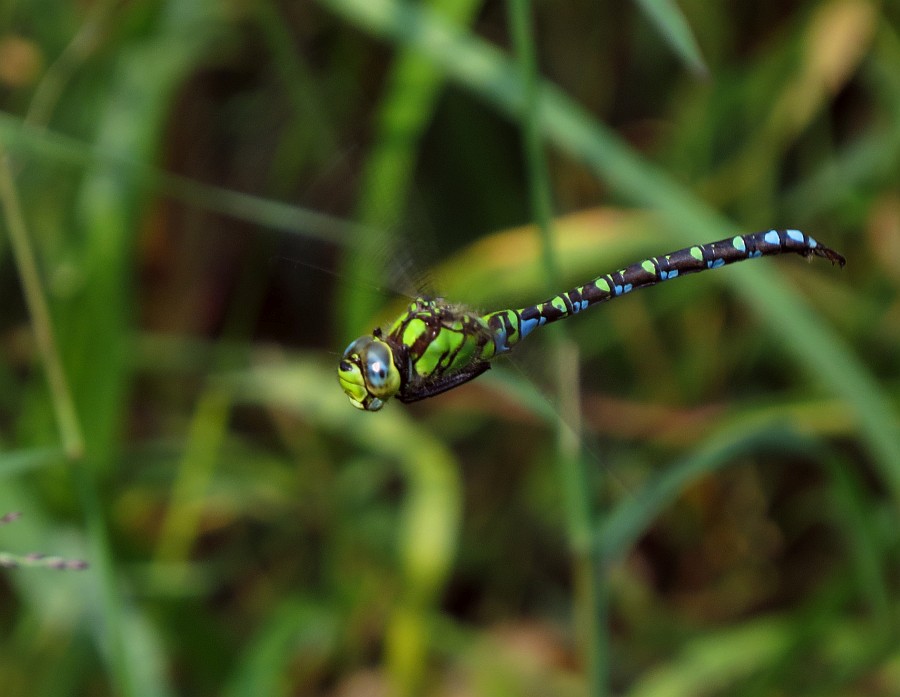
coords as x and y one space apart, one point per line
412 88
428 537
21 138
305 627
675 30
621 529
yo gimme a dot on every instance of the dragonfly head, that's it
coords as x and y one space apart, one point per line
367 373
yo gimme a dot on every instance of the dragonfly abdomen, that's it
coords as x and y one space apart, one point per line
511 326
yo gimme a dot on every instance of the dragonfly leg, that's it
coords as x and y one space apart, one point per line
413 393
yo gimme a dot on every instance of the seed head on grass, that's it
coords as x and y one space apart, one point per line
36 559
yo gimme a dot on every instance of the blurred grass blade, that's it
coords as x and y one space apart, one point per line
720 658
412 88
589 603
60 74
675 30
432 504
747 658
72 437
182 522
633 516
313 124
64 407
16 462
865 540
297 627
873 151
21 138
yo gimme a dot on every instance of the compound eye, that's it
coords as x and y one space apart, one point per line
357 347
378 365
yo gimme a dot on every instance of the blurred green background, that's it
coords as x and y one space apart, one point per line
202 202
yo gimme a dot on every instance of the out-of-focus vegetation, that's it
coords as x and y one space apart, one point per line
218 196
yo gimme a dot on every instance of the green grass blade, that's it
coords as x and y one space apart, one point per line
412 89
296 627
64 408
620 530
674 28
21 138
589 602
432 502
13 463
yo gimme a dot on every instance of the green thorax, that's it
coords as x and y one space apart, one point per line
435 338
430 348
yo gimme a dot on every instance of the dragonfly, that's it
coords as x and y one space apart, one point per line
435 346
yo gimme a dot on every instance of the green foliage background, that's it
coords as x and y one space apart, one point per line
201 203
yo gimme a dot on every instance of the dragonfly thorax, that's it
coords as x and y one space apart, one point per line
430 348
367 373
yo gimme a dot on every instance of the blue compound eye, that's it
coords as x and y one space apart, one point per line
367 373
378 364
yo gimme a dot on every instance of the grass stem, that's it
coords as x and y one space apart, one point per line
36 300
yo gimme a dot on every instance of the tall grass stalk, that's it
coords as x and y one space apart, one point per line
412 89
578 494
63 404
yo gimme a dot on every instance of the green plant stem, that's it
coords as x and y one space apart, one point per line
538 179
412 88
63 404
576 487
